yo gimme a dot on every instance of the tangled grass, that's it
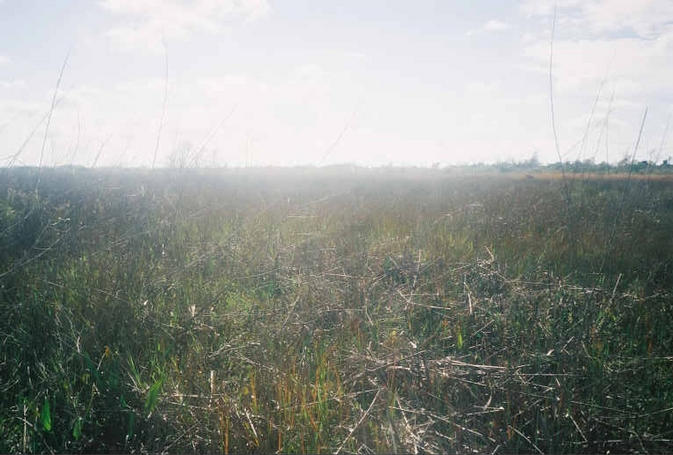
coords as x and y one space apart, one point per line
321 311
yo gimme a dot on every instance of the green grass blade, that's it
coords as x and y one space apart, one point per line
77 429
153 396
45 415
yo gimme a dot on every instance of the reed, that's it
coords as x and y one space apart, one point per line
349 311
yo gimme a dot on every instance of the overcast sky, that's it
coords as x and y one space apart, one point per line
372 82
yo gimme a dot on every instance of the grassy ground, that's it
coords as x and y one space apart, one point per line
323 311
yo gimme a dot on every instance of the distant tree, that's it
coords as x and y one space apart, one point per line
533 161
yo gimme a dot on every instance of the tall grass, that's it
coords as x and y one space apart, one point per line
314 311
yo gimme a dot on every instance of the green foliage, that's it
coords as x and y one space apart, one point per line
45 416
153 396
312 310
77 429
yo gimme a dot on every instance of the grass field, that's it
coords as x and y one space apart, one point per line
334 310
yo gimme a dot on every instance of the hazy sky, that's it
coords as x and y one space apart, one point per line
372 82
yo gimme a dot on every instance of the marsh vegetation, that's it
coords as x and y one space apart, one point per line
334 310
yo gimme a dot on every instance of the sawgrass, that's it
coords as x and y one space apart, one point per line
345 310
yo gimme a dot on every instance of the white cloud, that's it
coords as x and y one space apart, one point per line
145 23
638 66
491 26
4 60
18 108
645 18
356 55
496 26
269 117
15 83
624 46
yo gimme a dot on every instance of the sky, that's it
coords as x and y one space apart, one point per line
319 82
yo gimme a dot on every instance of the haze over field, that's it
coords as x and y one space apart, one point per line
302 82
347 227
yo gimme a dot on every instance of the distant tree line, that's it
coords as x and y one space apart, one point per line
626 165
